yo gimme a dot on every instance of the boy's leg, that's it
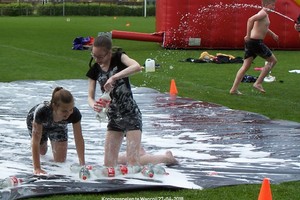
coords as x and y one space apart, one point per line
266 69
240 74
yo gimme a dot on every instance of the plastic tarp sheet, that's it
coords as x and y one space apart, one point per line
215 146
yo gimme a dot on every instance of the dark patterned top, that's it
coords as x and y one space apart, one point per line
43 114
123 112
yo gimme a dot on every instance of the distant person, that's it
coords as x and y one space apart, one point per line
297 27
257 29
50 120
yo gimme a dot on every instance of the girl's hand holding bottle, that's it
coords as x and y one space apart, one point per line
102 105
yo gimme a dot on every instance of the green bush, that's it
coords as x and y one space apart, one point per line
16 9
50 10
74 9
92 9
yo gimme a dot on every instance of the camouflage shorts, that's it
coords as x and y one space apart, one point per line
56 135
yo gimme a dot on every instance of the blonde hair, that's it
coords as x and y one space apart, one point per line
267 2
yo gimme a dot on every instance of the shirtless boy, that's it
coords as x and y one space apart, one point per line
257 29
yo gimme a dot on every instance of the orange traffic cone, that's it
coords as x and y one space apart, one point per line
173 88
265 190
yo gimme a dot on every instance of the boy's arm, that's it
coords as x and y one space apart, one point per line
274 36
250 24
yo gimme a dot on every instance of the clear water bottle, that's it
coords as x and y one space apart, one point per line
102 171
123 169
75 167
97 171
134 169
11 181
105 99
84 173
160 170
101 116
147 171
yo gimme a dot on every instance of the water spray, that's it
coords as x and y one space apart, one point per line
286 17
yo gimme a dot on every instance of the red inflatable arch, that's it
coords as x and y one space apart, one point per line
212 24
221 24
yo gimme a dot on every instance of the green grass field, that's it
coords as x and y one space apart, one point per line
40 48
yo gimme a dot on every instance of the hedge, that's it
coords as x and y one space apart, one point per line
73 9
16 9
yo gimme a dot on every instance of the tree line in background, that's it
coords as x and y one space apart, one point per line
76 8
120 2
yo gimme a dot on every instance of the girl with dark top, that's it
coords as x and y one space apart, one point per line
50 120
111 71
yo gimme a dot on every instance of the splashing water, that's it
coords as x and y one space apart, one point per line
282 15
240 6
215 11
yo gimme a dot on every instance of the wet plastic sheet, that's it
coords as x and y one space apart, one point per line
216 146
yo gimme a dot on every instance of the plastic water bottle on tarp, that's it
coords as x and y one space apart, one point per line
111 171
84 173
147 171
75 167
160 170
11 181
102 171
105 100
134 169
97 171
123 169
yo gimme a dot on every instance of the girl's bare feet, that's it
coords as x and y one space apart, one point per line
171 159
